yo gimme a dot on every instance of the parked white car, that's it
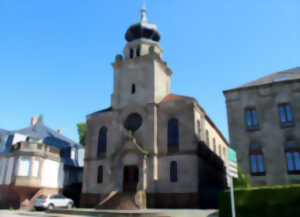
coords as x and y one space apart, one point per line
52 201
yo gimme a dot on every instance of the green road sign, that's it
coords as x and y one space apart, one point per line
231 154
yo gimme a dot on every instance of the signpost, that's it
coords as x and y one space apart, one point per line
232 171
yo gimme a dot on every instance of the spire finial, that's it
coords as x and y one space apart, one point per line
144 12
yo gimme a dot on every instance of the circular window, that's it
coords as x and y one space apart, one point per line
133 122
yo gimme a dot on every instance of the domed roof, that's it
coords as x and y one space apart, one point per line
143 29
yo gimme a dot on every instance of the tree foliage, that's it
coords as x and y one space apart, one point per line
243 181
82 129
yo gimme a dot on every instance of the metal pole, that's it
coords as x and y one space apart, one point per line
232 197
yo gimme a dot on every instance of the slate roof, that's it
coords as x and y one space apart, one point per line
282 76
3 132
49 137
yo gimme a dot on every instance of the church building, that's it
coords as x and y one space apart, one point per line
151 148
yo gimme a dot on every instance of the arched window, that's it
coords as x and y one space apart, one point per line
100 174
133 89
292 156
102 141
256 160
131 53
173 135
173 171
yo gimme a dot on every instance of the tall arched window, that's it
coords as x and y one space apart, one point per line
256 160
173 172
100 174
133 89
173 135
102 141
292 157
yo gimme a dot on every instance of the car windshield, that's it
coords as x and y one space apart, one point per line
42 197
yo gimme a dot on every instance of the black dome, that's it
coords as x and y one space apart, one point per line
143 29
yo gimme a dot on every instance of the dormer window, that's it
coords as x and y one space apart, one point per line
133 89
131 53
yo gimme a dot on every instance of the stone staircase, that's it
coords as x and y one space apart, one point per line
121 201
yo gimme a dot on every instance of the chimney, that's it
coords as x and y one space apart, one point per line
34 120
59 131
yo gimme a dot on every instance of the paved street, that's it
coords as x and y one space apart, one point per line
7 213
118 213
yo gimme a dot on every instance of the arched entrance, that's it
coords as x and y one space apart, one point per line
130 178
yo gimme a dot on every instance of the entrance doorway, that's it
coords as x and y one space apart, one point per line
131 178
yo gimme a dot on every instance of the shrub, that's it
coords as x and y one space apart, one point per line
243 181
271 201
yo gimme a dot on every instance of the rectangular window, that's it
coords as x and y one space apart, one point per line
100 174
251 119
25 166
73 154
257 164
207 137
173 171
286 116
293 161
35 168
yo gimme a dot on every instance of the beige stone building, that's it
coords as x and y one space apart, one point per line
264 124
151 148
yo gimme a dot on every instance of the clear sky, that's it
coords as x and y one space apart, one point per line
55 56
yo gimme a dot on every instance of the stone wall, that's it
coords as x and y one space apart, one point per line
271 135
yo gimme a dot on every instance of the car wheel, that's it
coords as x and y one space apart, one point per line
69 206
50 206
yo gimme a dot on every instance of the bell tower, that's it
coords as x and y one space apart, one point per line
140 74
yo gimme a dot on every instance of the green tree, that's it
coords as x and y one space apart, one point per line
81 128
41 119
243 181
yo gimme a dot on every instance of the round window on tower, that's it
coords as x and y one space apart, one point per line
133 122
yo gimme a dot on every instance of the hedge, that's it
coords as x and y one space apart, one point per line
270 201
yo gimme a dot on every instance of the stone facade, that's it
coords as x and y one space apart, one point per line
145 147
270 98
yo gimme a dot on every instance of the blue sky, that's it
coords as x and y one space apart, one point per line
55 56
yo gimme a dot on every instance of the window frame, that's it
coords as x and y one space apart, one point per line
173 171
256 154
131 53
21 173
252 126
100 176
287 123
291 151
102 136
173 131
133 89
